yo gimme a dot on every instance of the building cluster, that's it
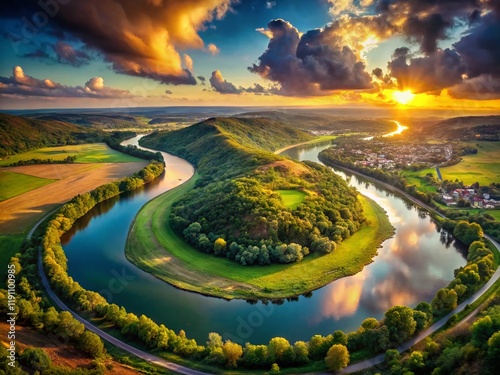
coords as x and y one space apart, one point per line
399 156
469 195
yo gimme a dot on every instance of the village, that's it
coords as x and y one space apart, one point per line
389 156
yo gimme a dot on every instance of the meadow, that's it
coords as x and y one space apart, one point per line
153 246
12 184
85 153
483 167
292 198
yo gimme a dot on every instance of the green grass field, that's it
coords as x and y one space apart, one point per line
187 268
484 167
86 153
9 246
417 179
12 184
292 198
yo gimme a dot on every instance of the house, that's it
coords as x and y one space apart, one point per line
478 202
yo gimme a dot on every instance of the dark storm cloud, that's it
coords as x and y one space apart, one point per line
138 37
429 21
66 54
432 73
480 49
483 87
315 63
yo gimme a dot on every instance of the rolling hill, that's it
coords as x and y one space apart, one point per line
19 134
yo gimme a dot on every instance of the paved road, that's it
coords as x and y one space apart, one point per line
439 324
349 369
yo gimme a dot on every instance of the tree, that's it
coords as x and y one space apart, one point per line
91 344
277 348
400 322
36 359
337 357
233 352
275 369
220 246
214 341
301 352
444 301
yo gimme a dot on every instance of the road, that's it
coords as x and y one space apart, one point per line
440 323
349 369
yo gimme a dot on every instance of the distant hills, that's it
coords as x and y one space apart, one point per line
217 145
21 134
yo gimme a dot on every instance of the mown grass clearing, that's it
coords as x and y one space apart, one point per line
12 184
417 179
484 167
153 246
86 153
292 198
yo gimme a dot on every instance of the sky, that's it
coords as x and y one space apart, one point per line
441 54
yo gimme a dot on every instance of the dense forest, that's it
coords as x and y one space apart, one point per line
21 134
237 210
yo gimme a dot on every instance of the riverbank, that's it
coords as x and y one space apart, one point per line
153 246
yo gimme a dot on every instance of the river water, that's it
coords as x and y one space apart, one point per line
410 267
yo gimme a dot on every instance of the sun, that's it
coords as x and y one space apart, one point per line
403 97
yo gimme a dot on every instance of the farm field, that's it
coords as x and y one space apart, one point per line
19 213
13 184
417 179
86 153
484 167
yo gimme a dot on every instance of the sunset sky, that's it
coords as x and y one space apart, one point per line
386 53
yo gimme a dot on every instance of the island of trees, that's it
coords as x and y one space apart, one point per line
251 205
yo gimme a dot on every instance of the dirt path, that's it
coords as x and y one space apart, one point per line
21 212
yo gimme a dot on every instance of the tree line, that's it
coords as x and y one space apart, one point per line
399 324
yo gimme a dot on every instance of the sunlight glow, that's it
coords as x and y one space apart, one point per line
403 97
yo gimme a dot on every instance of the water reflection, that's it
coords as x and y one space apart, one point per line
409 268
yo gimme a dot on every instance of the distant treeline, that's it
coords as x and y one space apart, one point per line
134 150
67 160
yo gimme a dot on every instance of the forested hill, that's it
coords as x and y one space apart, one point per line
251 205
20 134
226 147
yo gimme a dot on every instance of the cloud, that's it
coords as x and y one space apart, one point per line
338 7
202 79
480 47
168 92
439 70
138 37
270 4
212 49
427 22
221 85
21 84
67 54
188 61
483 87
314 63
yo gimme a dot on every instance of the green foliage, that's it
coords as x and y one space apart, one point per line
36 359
444 301
400 322
21 134
239 196
337 357
468 232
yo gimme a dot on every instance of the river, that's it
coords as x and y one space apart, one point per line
410 267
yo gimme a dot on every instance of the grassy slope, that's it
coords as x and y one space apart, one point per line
12 184
9 246
20 134
292 198
484 167
86 153
150 236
